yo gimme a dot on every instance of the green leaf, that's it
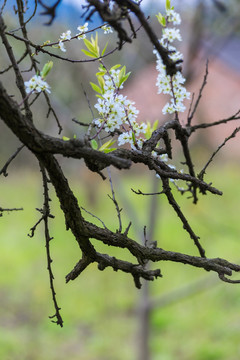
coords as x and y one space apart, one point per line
133 137
65 138
150 129
92 46
168 4
115 67
126 76
103 52
46 69
106 151
148 132
96 88
101 68
94 144
88 53
155 125
95 42
100 73
89 45
101 83
161 19
122 75
107 145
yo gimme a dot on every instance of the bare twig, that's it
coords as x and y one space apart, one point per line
48 238
113 198
199 96
203 171
186 226
139 192
96 217
215 123
9 210
5 167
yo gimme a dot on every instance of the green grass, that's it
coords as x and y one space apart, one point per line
99 308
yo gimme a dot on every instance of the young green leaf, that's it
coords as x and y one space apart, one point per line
96 88
101 83
96 45
89 53
115 67
89 44
92 46
46 69
100 73
126 76
106 151
161 19
94 144
134 138
122 76
155 125
168 4
148 131
107 145
101 68
103 52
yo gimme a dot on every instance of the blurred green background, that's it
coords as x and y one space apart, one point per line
195 315
100 309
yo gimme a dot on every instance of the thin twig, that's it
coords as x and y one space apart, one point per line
9 209
199 96
48 238
96 217
80 122
139 192
203 171
4 169
219 122
186 226
113 198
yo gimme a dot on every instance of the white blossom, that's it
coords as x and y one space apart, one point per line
66 35
164 157
36 84
173 17
171 34
116 112
166 84
82 30
61 46
107 29
124 138
168 108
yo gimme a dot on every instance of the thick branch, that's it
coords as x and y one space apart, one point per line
36 141
142 253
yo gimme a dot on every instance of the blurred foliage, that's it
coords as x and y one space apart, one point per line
100 308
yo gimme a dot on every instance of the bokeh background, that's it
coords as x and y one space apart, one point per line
192 315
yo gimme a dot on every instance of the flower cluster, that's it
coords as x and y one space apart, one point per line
82 30
107 29
66 36
117 112
36 84
172 85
